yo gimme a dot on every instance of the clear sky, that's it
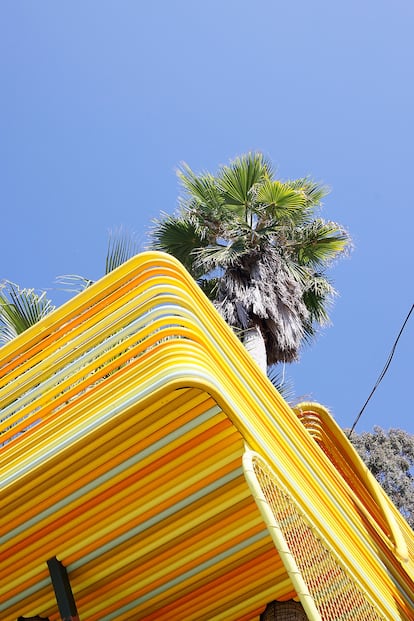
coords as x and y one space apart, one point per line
102 99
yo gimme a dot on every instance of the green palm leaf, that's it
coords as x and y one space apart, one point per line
313 191
209 286
237 180
318 297
284 386
73 283
122 246
179 236
20 309
220 256
279 202
202 188
320 242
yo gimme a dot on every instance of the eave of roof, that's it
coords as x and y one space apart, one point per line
136 402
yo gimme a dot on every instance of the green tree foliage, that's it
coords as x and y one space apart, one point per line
20 308
258 248
389 455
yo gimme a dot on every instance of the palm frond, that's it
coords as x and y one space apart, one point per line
319 242
299 273
219 256
278 202
284 386
20 309
180 237
318 297
73 283
122 246
318 294
200 187
237 180
313 191
209 286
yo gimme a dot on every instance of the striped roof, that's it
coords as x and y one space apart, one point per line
145 450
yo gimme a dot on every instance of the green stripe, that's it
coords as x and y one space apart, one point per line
107 476
133 532
187 575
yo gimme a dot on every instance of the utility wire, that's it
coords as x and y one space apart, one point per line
383 372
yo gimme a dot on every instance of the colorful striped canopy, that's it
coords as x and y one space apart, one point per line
144 449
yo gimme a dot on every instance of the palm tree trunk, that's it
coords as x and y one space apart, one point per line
254 343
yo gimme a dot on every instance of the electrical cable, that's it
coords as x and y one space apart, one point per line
383 372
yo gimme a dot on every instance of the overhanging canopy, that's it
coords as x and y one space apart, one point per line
126 418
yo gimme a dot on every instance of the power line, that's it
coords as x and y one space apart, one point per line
383 372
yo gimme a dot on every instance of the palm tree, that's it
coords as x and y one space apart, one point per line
257 248
20 308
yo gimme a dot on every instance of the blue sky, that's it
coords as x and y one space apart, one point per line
101 100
